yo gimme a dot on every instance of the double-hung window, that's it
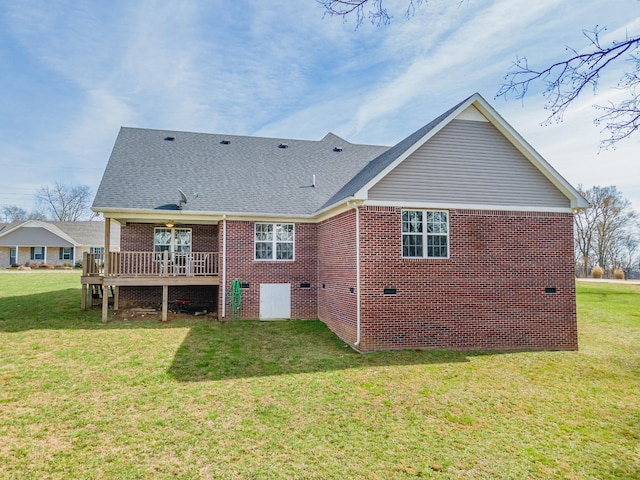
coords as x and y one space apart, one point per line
425 234
171 240
66 253
37 253
274 241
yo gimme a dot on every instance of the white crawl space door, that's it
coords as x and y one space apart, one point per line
275 300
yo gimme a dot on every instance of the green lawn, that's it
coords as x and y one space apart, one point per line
195 398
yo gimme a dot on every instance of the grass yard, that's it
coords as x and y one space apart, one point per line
195 398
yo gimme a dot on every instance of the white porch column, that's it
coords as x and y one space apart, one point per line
107 245
44 260
107 268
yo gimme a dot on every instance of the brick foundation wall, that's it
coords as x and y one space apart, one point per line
241 265
337 305
490 293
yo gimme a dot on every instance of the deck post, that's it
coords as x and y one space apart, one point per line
165 301
105 302
83 304
116 295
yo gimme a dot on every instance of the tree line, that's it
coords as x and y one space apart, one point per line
607 235
57 202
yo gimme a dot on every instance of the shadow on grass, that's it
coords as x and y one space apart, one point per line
60 310
215 350
242 349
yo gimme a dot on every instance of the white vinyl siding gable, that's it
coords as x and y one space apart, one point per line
469 163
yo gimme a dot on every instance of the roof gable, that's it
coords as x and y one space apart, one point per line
59 234
36 233
468 163
469 109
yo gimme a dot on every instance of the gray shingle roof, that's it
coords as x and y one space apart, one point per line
88 234
269 176
232 174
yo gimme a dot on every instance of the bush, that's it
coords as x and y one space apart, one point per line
597 272
33 265
618 274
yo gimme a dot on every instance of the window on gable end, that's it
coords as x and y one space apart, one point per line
274 241
425 234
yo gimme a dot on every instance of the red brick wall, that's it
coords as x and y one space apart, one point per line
241 265
138 237
490 293
337 306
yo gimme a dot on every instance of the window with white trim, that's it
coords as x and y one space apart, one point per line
66 253
274 241
171 240
425 234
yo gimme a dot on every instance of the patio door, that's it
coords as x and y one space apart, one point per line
275 301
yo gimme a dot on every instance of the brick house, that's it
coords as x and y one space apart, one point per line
460 236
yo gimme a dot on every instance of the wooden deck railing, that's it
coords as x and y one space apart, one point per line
152 264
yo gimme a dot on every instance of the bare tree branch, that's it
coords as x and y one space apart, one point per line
566 80
378 15
66 203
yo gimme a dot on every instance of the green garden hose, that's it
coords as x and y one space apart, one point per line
235 299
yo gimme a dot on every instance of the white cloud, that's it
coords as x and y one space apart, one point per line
249 67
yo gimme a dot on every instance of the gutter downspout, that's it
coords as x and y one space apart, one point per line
356 206
224 265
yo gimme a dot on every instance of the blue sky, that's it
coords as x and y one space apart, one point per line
72 73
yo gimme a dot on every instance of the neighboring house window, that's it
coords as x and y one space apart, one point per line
172 240
66 253
99 250
425 234
274 241
37 253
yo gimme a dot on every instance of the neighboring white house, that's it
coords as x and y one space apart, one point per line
54 243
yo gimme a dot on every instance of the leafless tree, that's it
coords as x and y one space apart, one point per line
565 80
13 213
378 15
606 234
66 203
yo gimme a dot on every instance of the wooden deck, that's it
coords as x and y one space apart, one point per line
143 269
